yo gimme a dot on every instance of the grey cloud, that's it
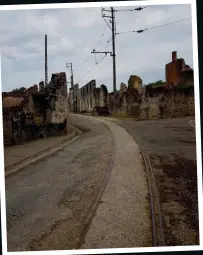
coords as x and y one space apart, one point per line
74 33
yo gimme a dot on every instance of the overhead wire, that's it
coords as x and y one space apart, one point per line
97 62
91 69
142 30
87 60
85 38
130 10
107 43
91 27
100 38
99 41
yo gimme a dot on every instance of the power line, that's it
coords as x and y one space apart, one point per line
100 38
93 25
102 9
99 41
85 38
107 43
130 10
91 69
87 60
113 31
142 30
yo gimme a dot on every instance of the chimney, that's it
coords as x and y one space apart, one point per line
174 55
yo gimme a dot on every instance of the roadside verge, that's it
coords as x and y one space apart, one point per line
18 157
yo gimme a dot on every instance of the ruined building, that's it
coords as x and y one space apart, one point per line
154 101
135 82
35 112
88 98
167 100
177 72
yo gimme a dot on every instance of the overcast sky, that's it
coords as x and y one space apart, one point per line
74 33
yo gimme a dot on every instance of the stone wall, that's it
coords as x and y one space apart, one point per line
174 104
88 97
156 104
57 90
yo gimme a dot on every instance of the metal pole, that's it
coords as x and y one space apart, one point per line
72 85
69 65
46 69
113 47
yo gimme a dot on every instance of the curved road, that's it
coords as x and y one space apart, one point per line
54 195
91 194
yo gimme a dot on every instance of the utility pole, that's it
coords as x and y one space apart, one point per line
113 48
69 65
113 53
46 69
113 30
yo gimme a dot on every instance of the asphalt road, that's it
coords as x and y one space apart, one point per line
171 146
47 203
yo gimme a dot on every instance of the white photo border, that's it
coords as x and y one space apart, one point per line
197 127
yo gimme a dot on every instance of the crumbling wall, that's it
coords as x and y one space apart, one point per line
168 105
57 89
155 103
90 97
87 97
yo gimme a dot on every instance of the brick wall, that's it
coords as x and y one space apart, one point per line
174 71
177 72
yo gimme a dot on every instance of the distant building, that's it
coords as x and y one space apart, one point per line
177 72
88 97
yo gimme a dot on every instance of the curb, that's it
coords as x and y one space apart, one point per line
42 154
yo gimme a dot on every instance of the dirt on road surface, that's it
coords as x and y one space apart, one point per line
171 146
92 192
47 203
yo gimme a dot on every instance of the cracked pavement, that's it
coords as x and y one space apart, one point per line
46 203
51 205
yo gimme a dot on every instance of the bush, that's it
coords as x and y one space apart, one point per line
157 83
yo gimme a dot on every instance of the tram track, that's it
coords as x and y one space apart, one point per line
93 208
158 236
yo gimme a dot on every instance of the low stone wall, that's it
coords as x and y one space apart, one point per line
162 105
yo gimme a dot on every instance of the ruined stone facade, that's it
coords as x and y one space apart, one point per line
177 72
33 110
153 101
88 97
135 82
57 96
167 103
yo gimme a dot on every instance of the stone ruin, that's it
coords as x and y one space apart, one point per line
174 98
46 105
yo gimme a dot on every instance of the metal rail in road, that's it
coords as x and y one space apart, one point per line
158 236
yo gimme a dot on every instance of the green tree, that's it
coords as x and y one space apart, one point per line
157 83
19 90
